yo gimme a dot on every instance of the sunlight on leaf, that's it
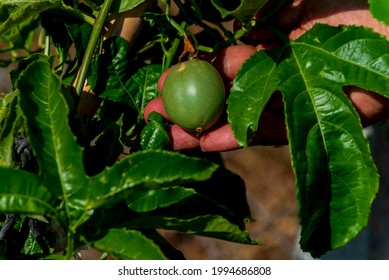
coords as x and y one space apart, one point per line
22 192
124 5
147 169
46 113
155 134
128 245
25 10
336 177
205 225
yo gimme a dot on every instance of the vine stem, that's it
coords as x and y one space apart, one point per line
96 33
70 246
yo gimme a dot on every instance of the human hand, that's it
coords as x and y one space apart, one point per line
295 19
219 138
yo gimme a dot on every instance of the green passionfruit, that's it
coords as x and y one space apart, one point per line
193 95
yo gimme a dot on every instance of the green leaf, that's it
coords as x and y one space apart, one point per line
23 64
22 192
243 10
46 115
143 86
119 6
113 78
380 10
155 134
168 250
254 84
79 33
5 11
146 170
128 245
336 176
196 204
10 124
207 225
45 111
66 31
25 10
31 246
185 208
337 179
111 69
143 201
22 36
59 157
5 101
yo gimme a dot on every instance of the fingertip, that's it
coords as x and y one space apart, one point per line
155 105
220 139
229 60
182 139
162 78
372 107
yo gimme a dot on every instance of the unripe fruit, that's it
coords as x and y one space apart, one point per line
193 95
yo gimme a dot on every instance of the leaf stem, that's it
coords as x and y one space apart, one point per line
104 256
76 13
237 35
47 45
205 48
169 54
179 28
95 36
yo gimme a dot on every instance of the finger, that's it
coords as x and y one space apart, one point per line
289 17
371 106
162 78
155 105
229 60
219 139
182 139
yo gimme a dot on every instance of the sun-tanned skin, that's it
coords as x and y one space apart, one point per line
295 19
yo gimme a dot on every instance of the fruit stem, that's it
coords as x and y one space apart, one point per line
169 54
238 34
